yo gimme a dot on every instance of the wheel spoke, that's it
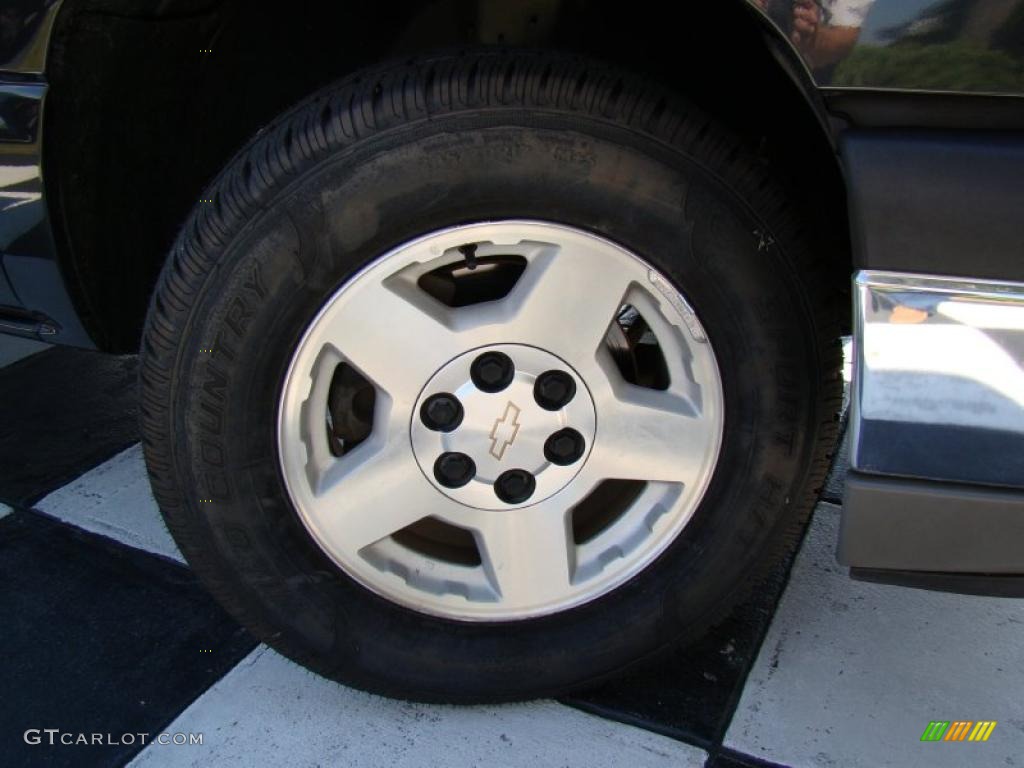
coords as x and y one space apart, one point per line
564 303
372 492
396 336
647 434
528 554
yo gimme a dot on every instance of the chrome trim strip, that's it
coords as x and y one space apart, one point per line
938 388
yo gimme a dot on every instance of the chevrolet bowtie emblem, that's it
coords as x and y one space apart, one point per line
504 431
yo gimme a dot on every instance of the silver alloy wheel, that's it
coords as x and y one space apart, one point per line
557 316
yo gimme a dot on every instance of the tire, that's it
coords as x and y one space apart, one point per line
379 160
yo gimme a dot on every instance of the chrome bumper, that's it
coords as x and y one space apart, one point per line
937 429
938 390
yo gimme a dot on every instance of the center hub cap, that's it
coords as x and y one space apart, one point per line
503 426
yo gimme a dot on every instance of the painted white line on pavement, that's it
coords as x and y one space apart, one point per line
115 500
4 511
850 674
269 711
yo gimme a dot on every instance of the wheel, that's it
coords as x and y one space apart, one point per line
487 376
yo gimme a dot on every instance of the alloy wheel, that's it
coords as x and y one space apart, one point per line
499 421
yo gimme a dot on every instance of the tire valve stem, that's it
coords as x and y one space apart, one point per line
469 252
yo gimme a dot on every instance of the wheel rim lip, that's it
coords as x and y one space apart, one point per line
638 565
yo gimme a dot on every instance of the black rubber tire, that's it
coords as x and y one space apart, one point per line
397 152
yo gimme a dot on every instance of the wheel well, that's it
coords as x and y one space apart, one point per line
150 98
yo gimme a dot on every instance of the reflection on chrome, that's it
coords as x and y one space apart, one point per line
939 378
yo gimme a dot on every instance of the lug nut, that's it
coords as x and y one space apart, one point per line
492 371
454 470
564 447
515 486
441 412
553 390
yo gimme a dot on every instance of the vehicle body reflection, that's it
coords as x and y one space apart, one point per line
968 46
